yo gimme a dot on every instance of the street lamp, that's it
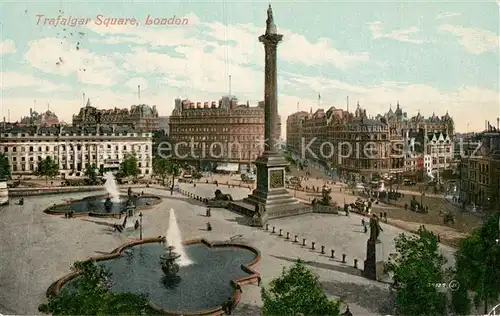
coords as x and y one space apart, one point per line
140 225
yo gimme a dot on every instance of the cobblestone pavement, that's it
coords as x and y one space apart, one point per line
38 248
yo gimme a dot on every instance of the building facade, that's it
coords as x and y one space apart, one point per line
74 147
400 142
423 138
353 143
140 117
212 133
163 124
480 172
48 118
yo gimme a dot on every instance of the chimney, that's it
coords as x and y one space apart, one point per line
214 104
191 105
185 104
205 105
234 104
198 105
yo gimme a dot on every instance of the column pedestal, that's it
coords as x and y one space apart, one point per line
271 192
374 263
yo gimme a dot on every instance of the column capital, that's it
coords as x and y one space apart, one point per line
273 39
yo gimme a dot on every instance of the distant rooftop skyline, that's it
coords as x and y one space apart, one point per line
432 57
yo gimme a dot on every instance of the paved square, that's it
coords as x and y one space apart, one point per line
36 248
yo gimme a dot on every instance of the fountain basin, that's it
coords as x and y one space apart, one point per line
218 272
94 205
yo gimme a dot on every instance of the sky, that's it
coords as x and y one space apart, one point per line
431 56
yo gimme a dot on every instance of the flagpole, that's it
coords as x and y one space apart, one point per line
319 100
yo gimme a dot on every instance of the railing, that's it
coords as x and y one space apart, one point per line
495 310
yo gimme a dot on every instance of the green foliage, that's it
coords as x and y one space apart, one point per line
297 291
91 173
161 167
4 167
129 166
166 166
417 270
476 267
161 144
48 168
90 296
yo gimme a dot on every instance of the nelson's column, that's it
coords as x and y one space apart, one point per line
271 195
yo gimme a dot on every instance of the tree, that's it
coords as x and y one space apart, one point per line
173 169
48 168
4 167
91 173
418 275
297 291
161 167
90 295
476 268
129 166
161 144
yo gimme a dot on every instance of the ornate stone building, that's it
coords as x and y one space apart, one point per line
141 117
433 137
212 133
480 172
74 148
350 142
47 118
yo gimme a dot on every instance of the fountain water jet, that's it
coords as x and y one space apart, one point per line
174 238
111 187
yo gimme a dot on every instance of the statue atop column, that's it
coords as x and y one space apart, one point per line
270 26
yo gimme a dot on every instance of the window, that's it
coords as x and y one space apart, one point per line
31 148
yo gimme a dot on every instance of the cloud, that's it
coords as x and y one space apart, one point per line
195 61
398 35
237 43
445 15
60 57
302 89
475 41
9 80
297 49
7 47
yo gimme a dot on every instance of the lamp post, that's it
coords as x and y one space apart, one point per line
140 225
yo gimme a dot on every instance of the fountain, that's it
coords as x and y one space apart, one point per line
168 264
174 238
111 187
146 267
131 220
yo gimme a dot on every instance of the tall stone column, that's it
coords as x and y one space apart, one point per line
271 40
271 194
